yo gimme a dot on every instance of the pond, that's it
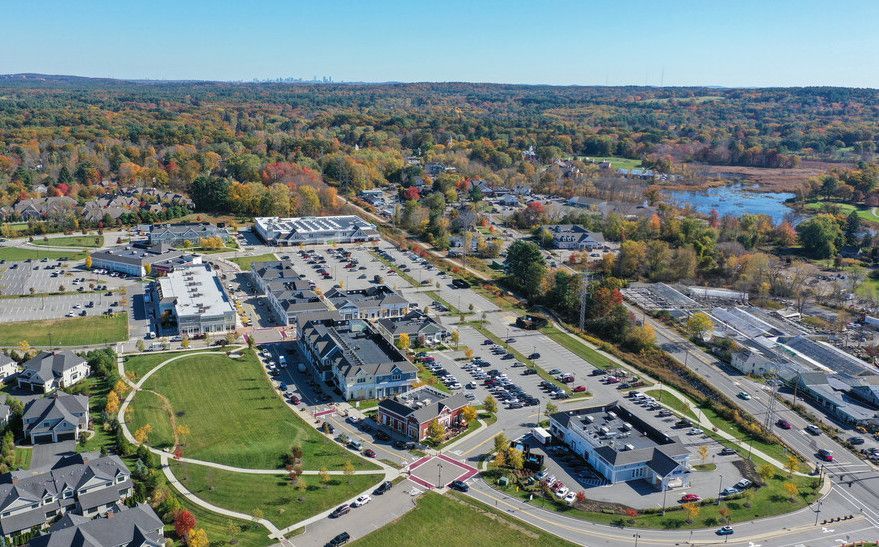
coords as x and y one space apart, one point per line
735 199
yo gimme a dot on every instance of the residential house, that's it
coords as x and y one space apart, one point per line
411 414
123 526
573 236
59 417
8 366
85 485
49 371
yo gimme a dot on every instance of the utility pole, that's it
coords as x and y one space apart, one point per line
767 424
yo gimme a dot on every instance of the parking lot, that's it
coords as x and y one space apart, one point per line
57 307
48 276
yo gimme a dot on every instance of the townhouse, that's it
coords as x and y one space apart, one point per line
372 303
50 370
60 417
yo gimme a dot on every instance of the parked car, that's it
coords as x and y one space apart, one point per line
369 453
382 488
460 486
727 451
534 355
743 484
744 395
340 539
339 511
729 491
688 498
579 389
856 441
361 500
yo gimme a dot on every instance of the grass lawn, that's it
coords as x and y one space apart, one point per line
244 262
430 378
74 331
15 254
578 348
770 500
223 530
672 401
436 516
22 458
234 415
96 388
71 241
142 363
15 229
616 161
272 494
866 213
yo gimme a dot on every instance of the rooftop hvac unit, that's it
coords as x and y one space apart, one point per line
604 430
629 447
627 426
612 414
590 419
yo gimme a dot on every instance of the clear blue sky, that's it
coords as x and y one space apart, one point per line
705 42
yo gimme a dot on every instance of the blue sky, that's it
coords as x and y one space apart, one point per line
707 42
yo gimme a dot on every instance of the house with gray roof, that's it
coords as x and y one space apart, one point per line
85 485
411 413
355 358
8 366
622 445
371 303
574 236
137 526
51 370
59 417
417 324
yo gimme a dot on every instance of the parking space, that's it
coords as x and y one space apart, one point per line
58 307
48 276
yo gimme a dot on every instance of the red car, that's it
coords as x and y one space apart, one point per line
579 389
784 424
612 380
369 453
687 498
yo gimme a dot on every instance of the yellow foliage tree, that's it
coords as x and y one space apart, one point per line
469 413
404 342
88 262
143 433
121 388
198 538
791 489
692 510
112 406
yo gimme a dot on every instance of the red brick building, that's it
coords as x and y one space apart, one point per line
411 414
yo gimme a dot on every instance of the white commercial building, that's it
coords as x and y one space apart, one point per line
193 300
314 230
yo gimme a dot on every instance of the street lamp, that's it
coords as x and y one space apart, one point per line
818 511
664 494
719 489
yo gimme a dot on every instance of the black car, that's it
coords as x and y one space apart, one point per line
534 355
727 451
341 539
382 488
529 371
460 486
460 284
339 511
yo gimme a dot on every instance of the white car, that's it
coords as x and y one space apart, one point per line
570 497
562 492
361 501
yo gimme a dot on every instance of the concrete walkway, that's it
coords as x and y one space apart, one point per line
172 480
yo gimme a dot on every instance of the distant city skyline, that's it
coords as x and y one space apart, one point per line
748 43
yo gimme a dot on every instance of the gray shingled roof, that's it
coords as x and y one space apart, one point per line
49 365
137 526
49 410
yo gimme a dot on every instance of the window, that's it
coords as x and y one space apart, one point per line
361 380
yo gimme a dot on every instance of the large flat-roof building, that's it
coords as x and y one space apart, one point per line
134 259
185 232
356 359
314 230
622 446
192 301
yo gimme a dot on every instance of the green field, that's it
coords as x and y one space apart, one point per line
457 521
234 414
866 213
71 241
142 363
274 495
242 533
74 331
244 262
615 161
15 254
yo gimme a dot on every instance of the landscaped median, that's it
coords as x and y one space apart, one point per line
233 414
273 496
76 331
782 493
71 241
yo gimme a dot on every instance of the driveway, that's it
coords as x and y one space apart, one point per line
46 455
